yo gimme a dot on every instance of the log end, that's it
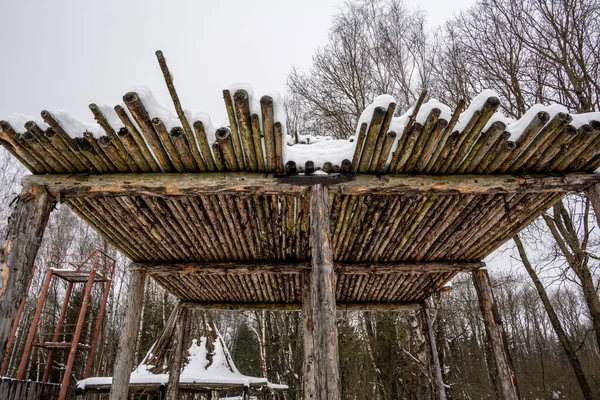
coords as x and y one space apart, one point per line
82 144
309 167
177 132
130 98
571 130
499 125
595 125
223 133
266 101
240 95
346 166
379 112
49 132
543 116
88 135
290 168
123 132
493 102
104 141
29 125
5 126
199 125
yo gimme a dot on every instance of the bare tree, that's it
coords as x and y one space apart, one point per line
566 343
375 47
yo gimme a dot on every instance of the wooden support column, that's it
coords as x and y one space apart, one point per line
321 358
129 333
436 370
502 371
15 325
177 350
20 245
593 193
89 364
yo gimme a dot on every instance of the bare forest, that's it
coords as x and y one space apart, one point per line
529 52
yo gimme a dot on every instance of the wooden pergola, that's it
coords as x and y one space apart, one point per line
230 226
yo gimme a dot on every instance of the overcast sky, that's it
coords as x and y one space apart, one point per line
65 54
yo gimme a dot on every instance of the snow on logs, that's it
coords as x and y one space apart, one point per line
143 136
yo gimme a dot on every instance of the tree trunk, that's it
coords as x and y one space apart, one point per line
321 358
565 234
436 370
177 351
504 374
129 333
20 246
556 324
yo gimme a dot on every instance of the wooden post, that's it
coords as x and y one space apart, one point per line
15 325
33 326
129 333
177 350
19 248
436 370
321 358
99 322
503 372
593 193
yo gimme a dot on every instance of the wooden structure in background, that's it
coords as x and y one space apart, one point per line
97 268
228 226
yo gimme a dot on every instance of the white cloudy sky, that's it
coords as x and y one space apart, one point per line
65 54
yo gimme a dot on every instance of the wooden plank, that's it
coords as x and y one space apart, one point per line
503 372
186 184
269 267
129 333
20 245
321 357
366 306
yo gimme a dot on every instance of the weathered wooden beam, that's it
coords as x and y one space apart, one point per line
269 267
177 350
321 357
348 307
129 332
436 369
82 185
503 373
22 239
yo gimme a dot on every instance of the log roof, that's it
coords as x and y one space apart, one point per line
228 222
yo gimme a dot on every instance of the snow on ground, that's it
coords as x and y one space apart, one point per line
199 369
